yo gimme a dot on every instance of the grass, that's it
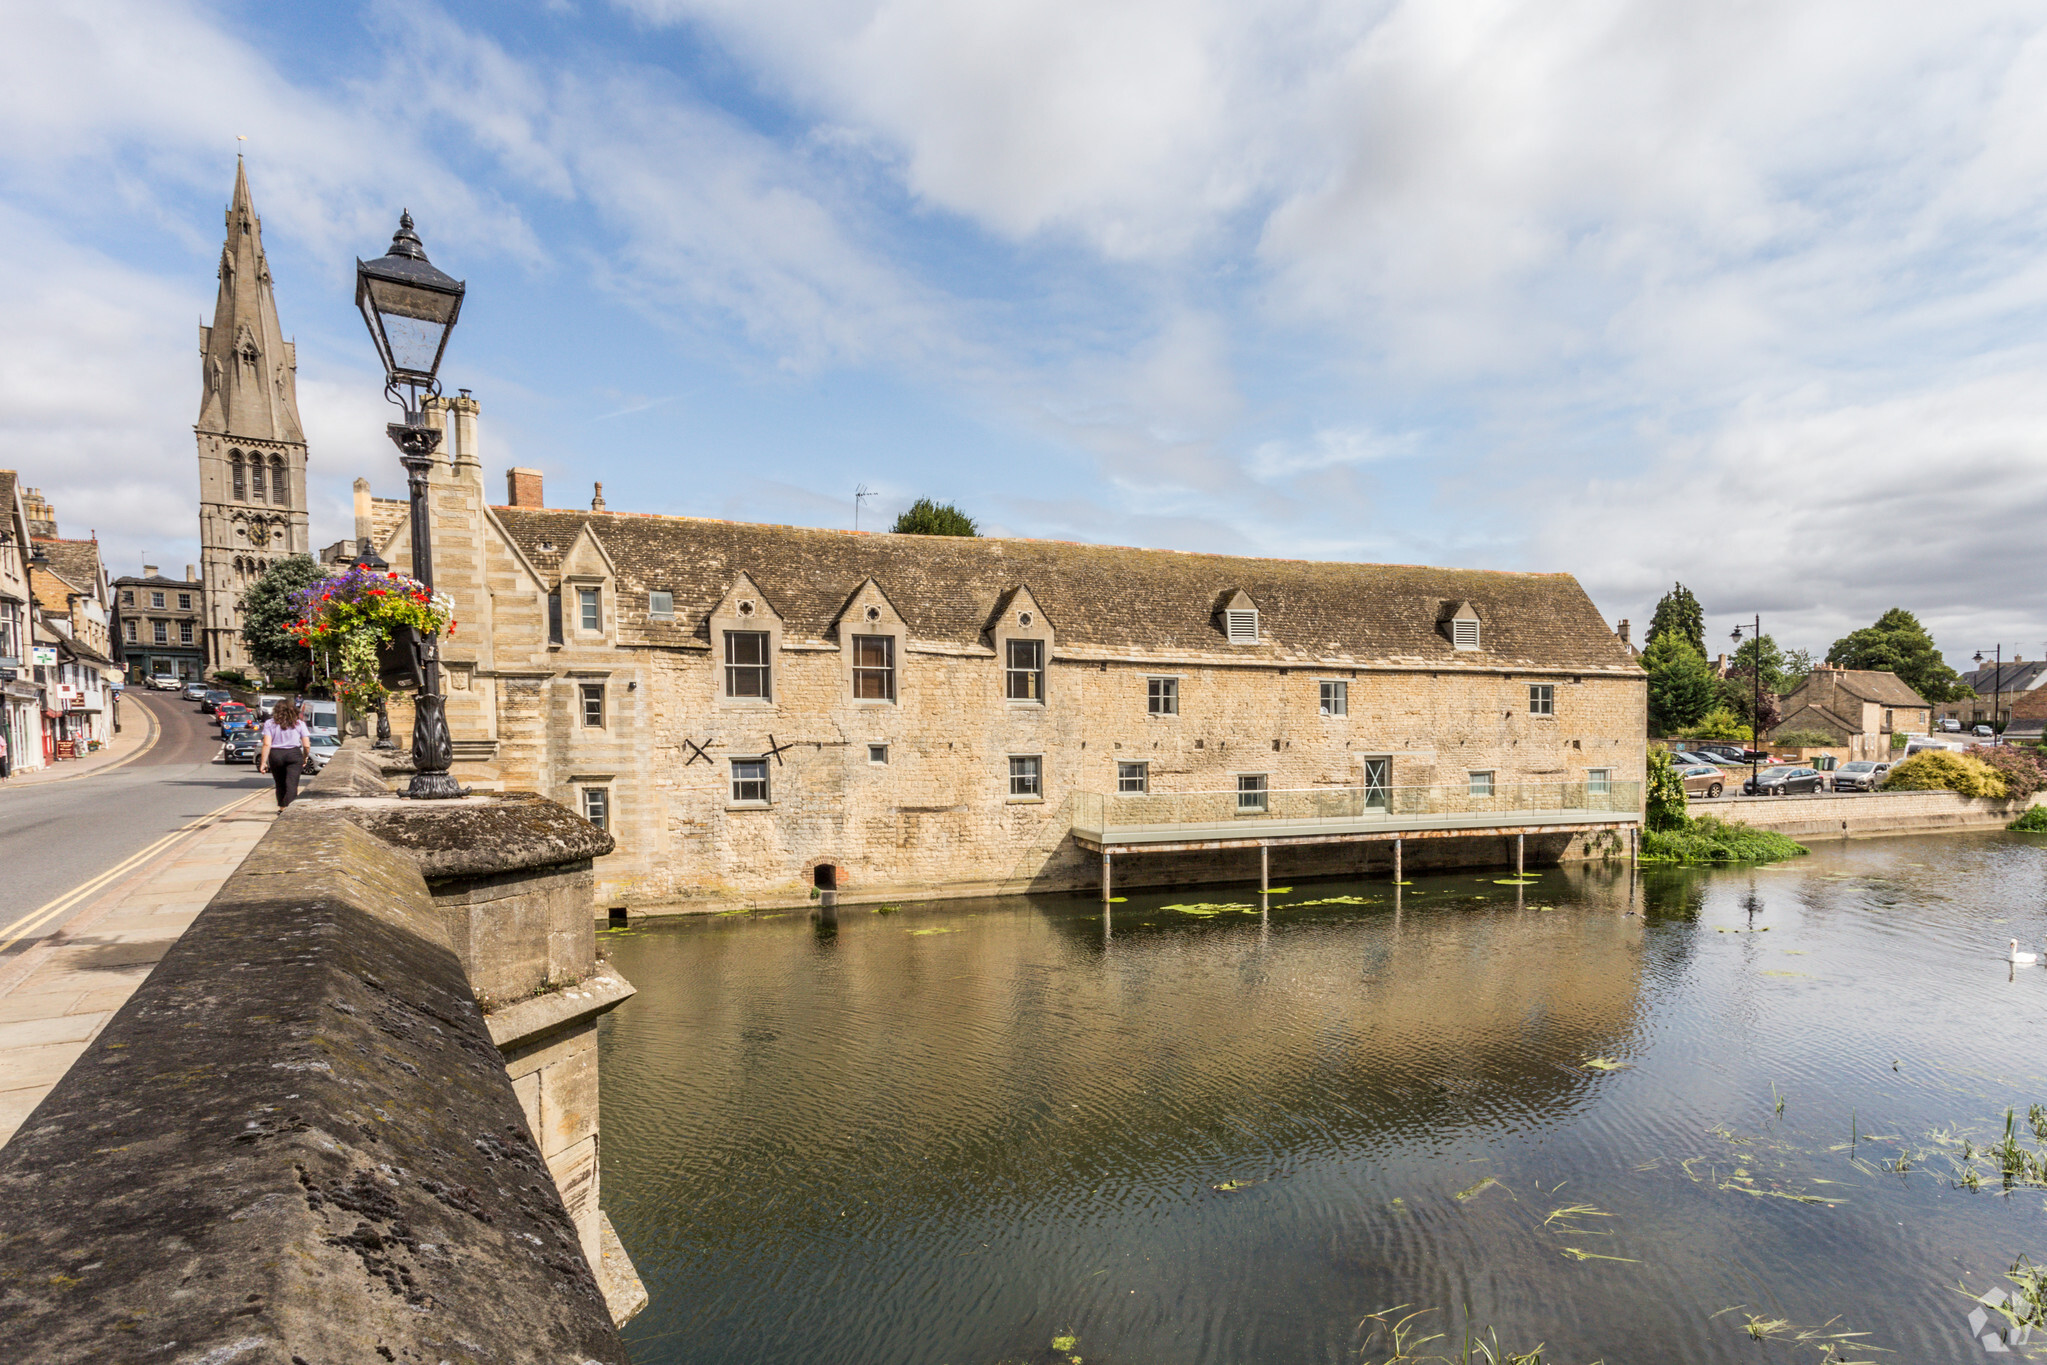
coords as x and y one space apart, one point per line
1707 840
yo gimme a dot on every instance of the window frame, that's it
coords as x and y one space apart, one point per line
877 754
1236 617
1599 781
589 603
1028 769
1481 782
1542 699
156 600
184 601
241 490
597 796
883 673
589 694
1462 627
764 667
159 632
1333 697
1161 695
184 632
1257 786
1033 677
761 780
660 606
134 635
257 481
1128 771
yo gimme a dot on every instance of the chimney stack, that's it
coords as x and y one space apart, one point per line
1622 632
362 510
597 499
191 573
149 570
522 488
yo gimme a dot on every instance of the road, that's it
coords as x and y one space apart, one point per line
57 836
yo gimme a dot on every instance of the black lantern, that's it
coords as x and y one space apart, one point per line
410 308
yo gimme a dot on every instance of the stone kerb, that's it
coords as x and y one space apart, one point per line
297 1140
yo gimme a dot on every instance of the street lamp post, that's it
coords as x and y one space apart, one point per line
1755 715
1996 687
410 308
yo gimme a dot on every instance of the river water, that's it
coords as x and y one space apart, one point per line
955 1133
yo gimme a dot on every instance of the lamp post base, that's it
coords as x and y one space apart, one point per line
432 751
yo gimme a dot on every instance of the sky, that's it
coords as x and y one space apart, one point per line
1750 296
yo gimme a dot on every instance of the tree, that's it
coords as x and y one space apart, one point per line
1681 688
1664 807
928 518
1680 612
1737 691
1899 644
266 607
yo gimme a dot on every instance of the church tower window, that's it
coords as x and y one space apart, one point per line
256 479
235 462
280 486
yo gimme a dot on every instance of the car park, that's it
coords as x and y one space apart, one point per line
239 747
1861 776
195 691
215 698
1703 779
1785 781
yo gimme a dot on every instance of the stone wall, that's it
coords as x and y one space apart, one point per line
1853 814
299 1139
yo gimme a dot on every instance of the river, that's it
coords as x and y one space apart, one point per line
1615 1115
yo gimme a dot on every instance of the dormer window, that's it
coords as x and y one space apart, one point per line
1464 634
661 606
1242 625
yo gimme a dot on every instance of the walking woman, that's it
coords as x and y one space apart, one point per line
285 741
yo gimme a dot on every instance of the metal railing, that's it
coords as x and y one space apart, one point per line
1099 813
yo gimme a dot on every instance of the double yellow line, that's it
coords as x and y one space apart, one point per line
78 895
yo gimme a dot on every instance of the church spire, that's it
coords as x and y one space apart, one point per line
249 372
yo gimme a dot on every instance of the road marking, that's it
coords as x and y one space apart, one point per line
37 918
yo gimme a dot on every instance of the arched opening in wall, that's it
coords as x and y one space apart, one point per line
825 877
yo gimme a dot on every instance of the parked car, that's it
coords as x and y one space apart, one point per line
1722 753
1703 779
1982 731
1861 776
165 682
214 697
195 691
1784 781
239 747
323 748
1949 725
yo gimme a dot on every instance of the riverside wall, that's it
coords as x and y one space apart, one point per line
1851 815
306 1138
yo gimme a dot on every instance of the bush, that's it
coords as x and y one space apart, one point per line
1804 739
1665 793
2034 821
1721 724
2020 768
233 677
1707 840
1944 770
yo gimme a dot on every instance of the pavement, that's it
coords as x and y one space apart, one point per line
101 876
139 733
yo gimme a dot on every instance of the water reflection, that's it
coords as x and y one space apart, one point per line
1231 1131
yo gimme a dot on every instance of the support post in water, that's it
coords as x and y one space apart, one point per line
1264 867
1396 860
1105 876
1520 853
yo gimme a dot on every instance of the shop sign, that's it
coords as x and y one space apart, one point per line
43 656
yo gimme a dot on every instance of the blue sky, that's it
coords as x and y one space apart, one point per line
1748 296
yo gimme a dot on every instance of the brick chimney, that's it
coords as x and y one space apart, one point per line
522 488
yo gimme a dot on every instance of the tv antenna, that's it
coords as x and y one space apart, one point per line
860 495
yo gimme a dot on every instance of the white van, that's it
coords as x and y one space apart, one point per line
323 717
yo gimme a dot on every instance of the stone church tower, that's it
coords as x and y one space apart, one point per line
252 449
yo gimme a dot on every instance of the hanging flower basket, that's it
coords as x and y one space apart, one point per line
366 628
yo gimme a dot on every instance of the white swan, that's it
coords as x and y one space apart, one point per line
2020 957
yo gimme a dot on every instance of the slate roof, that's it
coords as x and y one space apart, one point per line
2016 676
1878 685
1104 600
77 562
2027 712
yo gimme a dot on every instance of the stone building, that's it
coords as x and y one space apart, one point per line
252 448
160 625
757 711
21 694
74 626
1860 707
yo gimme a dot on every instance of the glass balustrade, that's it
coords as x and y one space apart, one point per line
1273 811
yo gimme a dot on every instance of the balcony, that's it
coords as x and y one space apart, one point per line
1172 821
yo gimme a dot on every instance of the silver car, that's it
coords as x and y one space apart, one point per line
1860 776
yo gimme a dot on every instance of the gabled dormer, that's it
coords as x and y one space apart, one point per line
1022 636
872 639
1236 616
745 635
1461 625
589 587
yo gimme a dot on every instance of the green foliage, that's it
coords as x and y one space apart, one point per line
1665 793
1899 644
267 611
1722 724
1680 685
1944 770
928 518
1679 614
2034 821
2020 767
1707 840
233 677
1737 691
1804 739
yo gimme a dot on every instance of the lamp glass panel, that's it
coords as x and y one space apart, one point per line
413 321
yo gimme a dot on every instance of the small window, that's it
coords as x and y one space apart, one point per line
1026 672
256 481
1162 696
1889 716
184 632
240 491
877 754
597 806
1336 699
156 600
593 703
661 606
1251 792
1464 634
184 601
554 617
874 667
162 631
1026 775
1134 778
592 616
1542 699
131 635
280 486
127 597
1599 781
750 781
1242 625
746 664
1481 783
